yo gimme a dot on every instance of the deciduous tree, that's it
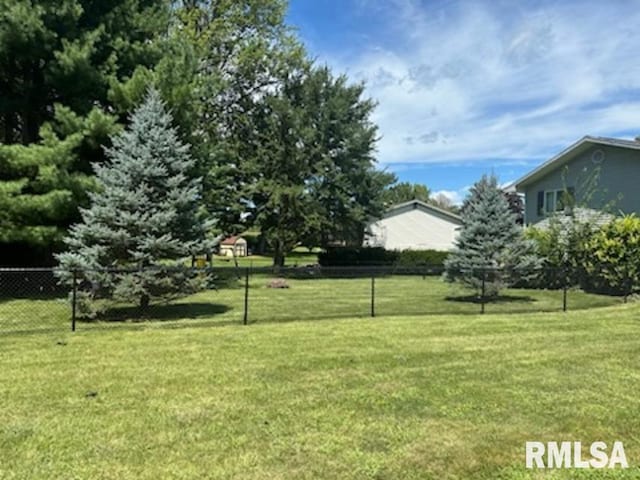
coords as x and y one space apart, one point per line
313 164
405 191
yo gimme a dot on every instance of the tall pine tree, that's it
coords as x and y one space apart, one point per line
62 64
490 244
144 214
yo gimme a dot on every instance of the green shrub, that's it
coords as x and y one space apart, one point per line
434 258
561 248
357 256
612 262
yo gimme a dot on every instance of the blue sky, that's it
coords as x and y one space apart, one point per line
468 87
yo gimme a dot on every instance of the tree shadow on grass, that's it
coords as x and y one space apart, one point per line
34 295
491 300
163 313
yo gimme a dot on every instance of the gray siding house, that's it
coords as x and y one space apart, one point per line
596 172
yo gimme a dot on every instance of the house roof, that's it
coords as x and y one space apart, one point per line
397 208
581 215
231 240
571 152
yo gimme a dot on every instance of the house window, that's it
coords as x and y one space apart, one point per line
556 200
550 201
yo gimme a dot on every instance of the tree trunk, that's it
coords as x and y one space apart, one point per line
9 128
144 301
278 258
278 255
33 80
360 234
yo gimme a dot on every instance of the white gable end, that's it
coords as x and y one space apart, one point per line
414 229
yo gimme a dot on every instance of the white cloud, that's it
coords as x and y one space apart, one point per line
455 196
497 81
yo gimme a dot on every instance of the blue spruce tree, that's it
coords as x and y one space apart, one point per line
144 216
491 245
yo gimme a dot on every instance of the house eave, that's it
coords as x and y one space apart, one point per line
568 154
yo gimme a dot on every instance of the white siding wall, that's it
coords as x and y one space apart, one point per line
414 230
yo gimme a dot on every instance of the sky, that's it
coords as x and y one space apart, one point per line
472 87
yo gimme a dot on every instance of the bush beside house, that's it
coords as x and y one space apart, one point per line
612 260
598 256
560 247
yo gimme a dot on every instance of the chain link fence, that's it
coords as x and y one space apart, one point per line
33 300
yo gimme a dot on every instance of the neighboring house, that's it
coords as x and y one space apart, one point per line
596 172
414 225
233 246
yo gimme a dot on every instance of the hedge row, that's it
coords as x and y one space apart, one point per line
373 256
422 257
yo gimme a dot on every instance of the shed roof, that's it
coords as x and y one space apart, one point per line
231 240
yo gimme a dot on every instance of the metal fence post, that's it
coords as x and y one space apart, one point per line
565 287
628 288
484 279
373 295
246 297
73 302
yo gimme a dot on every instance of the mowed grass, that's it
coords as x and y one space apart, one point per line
305 299
437 397
299 257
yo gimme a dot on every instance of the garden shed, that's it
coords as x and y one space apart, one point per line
233 246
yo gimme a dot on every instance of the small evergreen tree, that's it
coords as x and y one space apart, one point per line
490 244
144 214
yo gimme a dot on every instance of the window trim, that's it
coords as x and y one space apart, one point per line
545 203
557 200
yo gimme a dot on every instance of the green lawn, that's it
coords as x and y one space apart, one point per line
450 396
299 257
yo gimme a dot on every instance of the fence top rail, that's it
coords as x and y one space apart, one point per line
29 269
221 268
416 268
